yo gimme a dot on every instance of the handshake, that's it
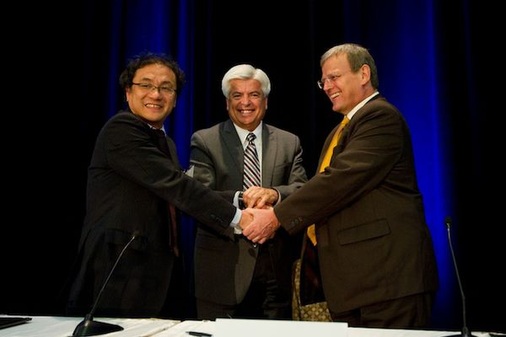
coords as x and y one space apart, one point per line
258 221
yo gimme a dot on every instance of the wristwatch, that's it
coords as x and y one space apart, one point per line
240 200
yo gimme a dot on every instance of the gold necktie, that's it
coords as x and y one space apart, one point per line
325 162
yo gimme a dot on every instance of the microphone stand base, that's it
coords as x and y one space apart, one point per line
465 333
93 328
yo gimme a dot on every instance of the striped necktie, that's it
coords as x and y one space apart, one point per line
251 164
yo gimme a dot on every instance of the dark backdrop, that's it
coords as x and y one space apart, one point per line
436 62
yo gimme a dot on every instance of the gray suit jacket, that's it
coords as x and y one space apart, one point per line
224 264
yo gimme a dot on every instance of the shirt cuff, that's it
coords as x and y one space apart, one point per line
235 222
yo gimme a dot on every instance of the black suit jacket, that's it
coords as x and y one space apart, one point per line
373 242
224 264
130 181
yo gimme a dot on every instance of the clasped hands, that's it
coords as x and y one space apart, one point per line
258 221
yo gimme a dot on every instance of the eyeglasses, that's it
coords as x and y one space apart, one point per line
331 78
148 87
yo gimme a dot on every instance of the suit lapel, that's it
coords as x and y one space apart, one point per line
269 149
173 152
232 144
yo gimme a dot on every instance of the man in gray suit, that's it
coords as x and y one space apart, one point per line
234 277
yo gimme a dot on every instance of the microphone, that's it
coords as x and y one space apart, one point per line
89 327
465 330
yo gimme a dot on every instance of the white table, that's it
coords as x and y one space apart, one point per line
54 326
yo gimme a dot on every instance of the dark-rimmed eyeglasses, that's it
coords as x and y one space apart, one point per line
148 87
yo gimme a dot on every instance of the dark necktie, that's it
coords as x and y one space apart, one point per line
251 164
164 146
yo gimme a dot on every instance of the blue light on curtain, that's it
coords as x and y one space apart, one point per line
401 38
158 26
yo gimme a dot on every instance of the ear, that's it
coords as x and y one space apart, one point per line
365 72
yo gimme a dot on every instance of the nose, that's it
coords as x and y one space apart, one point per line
245 100
327 83
155 91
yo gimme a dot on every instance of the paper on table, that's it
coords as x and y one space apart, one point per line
266 328
181 329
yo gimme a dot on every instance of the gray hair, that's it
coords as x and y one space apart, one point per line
245 72
357 57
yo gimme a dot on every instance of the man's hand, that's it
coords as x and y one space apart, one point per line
246 219
264 225
260 197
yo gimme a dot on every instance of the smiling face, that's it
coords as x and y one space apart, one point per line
345 88
150 96
246 103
